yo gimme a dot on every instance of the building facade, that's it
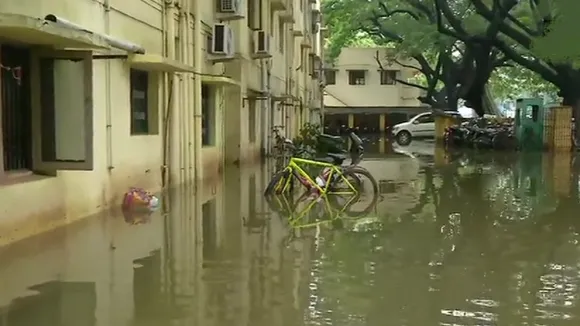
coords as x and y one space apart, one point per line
367 93
101 95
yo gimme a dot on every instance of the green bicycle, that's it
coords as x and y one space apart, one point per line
334 179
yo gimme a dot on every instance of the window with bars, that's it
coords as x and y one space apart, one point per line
356 77
388 77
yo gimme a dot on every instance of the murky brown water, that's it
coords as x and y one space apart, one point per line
456 240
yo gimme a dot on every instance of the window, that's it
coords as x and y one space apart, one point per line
65 111
356 77
251 14
281 32
428 118
207 116
15 111
330 77
252 120
139 102
533 112
388 77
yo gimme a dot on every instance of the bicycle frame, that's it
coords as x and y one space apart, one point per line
306 180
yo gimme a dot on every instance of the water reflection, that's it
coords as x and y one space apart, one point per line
456 239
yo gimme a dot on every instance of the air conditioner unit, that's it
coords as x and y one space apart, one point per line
232 9
262 44
223 40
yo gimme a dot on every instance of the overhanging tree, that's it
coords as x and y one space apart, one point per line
529 30
452 46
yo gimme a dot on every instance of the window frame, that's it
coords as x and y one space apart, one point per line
334 73
38 163
352 78
211 117
252 117
384 78
132 88
425 116
281 36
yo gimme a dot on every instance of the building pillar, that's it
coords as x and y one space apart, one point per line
351 120
382 145
382 122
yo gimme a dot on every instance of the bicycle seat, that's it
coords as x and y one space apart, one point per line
337 158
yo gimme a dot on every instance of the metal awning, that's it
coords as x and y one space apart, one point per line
36 31
154 62
219 80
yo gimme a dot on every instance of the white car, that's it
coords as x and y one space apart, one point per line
420 126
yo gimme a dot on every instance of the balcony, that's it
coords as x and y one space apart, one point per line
279 5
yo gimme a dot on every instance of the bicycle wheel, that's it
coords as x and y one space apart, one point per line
277 183
368 190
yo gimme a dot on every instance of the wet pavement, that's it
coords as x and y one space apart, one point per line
454 239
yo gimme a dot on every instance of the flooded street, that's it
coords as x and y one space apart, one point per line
455 239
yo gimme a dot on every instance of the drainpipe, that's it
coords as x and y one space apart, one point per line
184 91
197 63
265 111
270 107
189 92
174 166
109 104
182 104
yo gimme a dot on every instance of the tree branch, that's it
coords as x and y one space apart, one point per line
406 83
389 13
444 11
504 28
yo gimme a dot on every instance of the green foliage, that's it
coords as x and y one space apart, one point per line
509 83
307 140
308 135
559 43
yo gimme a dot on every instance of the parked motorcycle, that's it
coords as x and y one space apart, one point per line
481 134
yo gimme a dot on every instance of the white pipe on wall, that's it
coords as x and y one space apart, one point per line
108 96
174 162
197 63
270 108
189 92
183 94
264 108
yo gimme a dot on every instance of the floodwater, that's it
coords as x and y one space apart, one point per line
454 239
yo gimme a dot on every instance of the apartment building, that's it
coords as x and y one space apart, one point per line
363 92
101 95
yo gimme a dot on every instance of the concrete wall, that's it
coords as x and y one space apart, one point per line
121 160
372 94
